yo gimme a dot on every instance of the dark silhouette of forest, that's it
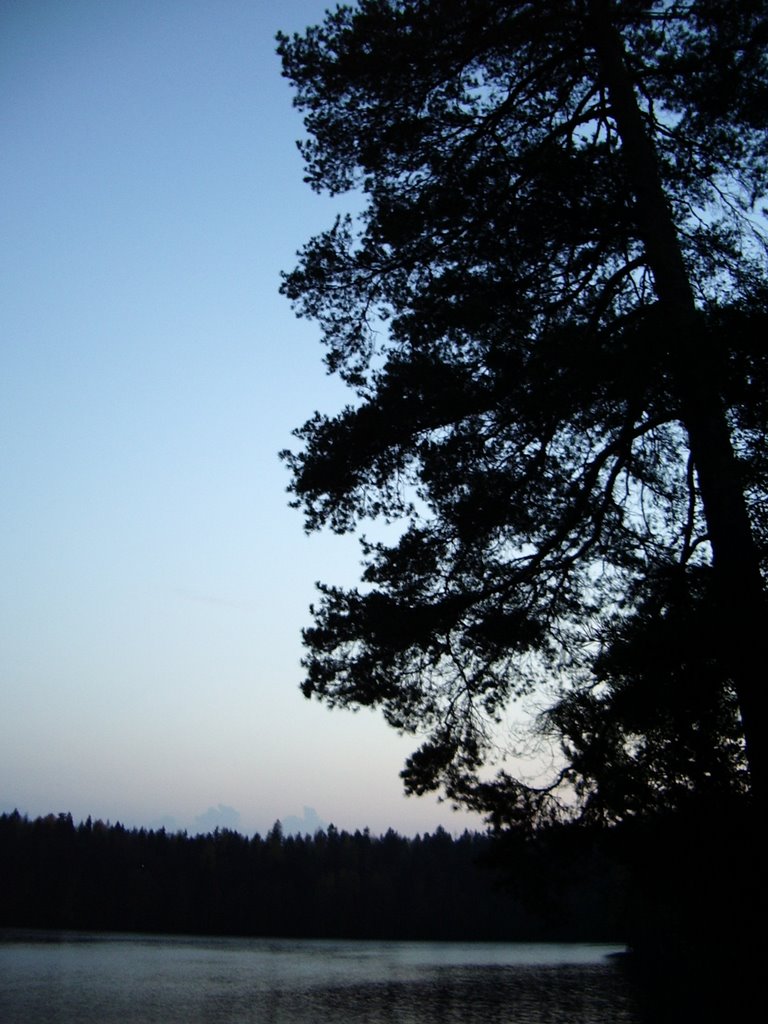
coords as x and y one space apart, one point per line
55 874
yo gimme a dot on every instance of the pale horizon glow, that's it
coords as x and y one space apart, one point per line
154 580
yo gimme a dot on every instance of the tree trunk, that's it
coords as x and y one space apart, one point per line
694 365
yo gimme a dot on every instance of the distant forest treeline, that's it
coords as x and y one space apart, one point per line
96 876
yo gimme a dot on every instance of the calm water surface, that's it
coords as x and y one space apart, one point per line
120 979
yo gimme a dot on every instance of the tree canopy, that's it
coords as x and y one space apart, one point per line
551 314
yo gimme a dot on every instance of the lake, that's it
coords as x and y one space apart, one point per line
65 978
78 977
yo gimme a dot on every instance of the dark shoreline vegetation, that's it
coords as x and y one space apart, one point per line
99 876
669 886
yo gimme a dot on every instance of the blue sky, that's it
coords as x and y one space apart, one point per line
153 581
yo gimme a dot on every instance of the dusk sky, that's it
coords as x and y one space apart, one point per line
154 581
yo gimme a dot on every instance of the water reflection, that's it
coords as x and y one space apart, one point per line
523 995
140 979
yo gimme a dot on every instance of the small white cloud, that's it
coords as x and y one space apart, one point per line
308 824
218 817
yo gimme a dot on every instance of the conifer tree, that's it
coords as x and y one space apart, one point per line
551 315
